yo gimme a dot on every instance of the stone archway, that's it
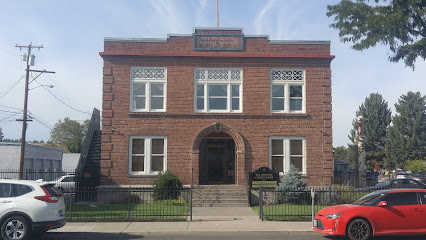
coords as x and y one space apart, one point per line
239 149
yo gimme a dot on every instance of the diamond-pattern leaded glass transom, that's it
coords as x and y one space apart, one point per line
149 73
218 74
287 75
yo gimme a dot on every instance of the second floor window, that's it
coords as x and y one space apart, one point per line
148 89
218 90
287 90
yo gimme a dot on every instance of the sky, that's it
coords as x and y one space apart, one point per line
72 35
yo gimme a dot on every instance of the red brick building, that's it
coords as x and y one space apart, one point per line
213 106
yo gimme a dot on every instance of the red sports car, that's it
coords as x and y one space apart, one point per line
384 212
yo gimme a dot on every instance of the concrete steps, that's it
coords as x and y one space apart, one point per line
219 196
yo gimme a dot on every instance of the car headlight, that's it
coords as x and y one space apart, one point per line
333 216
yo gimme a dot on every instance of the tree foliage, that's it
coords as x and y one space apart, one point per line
291 186
375 109
339 153
401 24
1 135
407 135
166 186
69 134
415 165
345 153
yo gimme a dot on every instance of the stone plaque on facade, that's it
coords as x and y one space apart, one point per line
218 42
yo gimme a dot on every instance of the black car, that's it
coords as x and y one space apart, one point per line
419 177
395 183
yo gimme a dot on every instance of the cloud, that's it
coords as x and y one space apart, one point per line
262 19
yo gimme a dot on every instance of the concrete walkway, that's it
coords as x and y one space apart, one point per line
210 219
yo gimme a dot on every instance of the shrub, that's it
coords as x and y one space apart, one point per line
166 186
291 187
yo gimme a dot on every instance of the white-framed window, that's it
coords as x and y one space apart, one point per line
148 89
147 154
284 151
287 90
218 90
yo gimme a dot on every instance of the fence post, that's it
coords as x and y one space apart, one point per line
70 199
313 204
128 216
329 194
261 202
190 206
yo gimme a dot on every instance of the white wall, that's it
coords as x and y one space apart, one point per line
70 161
36 157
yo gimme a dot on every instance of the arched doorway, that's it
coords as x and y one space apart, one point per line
218 147
217 159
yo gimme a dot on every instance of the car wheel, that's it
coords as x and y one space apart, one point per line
359 229
15 228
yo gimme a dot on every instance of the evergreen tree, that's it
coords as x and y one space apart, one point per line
375 109
407 135
291 186
1 134
339 153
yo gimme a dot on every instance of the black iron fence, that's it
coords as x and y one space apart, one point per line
128 204
86 204
303 204
35 174
369 178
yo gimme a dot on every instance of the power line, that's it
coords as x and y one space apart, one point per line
64 102
11 107
50 126
10 116
9 111
11 87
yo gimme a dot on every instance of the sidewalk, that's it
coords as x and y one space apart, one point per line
204 220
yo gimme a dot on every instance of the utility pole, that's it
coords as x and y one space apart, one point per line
217 13
387 148
25 115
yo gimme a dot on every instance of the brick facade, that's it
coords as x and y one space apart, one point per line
185 128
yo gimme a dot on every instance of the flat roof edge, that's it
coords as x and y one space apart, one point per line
110 39
298 42
218 29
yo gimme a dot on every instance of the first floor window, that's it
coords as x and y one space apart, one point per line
147 155
286 151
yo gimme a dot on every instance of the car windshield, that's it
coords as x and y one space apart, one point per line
384 183
368 200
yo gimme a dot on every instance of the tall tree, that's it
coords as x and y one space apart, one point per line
375 109
401 24
345 153
68 133
407 135
1 134
339 153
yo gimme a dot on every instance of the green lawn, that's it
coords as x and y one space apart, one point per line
288 212
157 211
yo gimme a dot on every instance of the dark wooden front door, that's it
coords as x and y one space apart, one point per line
217 161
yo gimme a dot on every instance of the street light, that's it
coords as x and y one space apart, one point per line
49 86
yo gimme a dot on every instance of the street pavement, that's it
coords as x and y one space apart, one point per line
214 219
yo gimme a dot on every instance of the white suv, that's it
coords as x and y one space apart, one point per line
29 208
